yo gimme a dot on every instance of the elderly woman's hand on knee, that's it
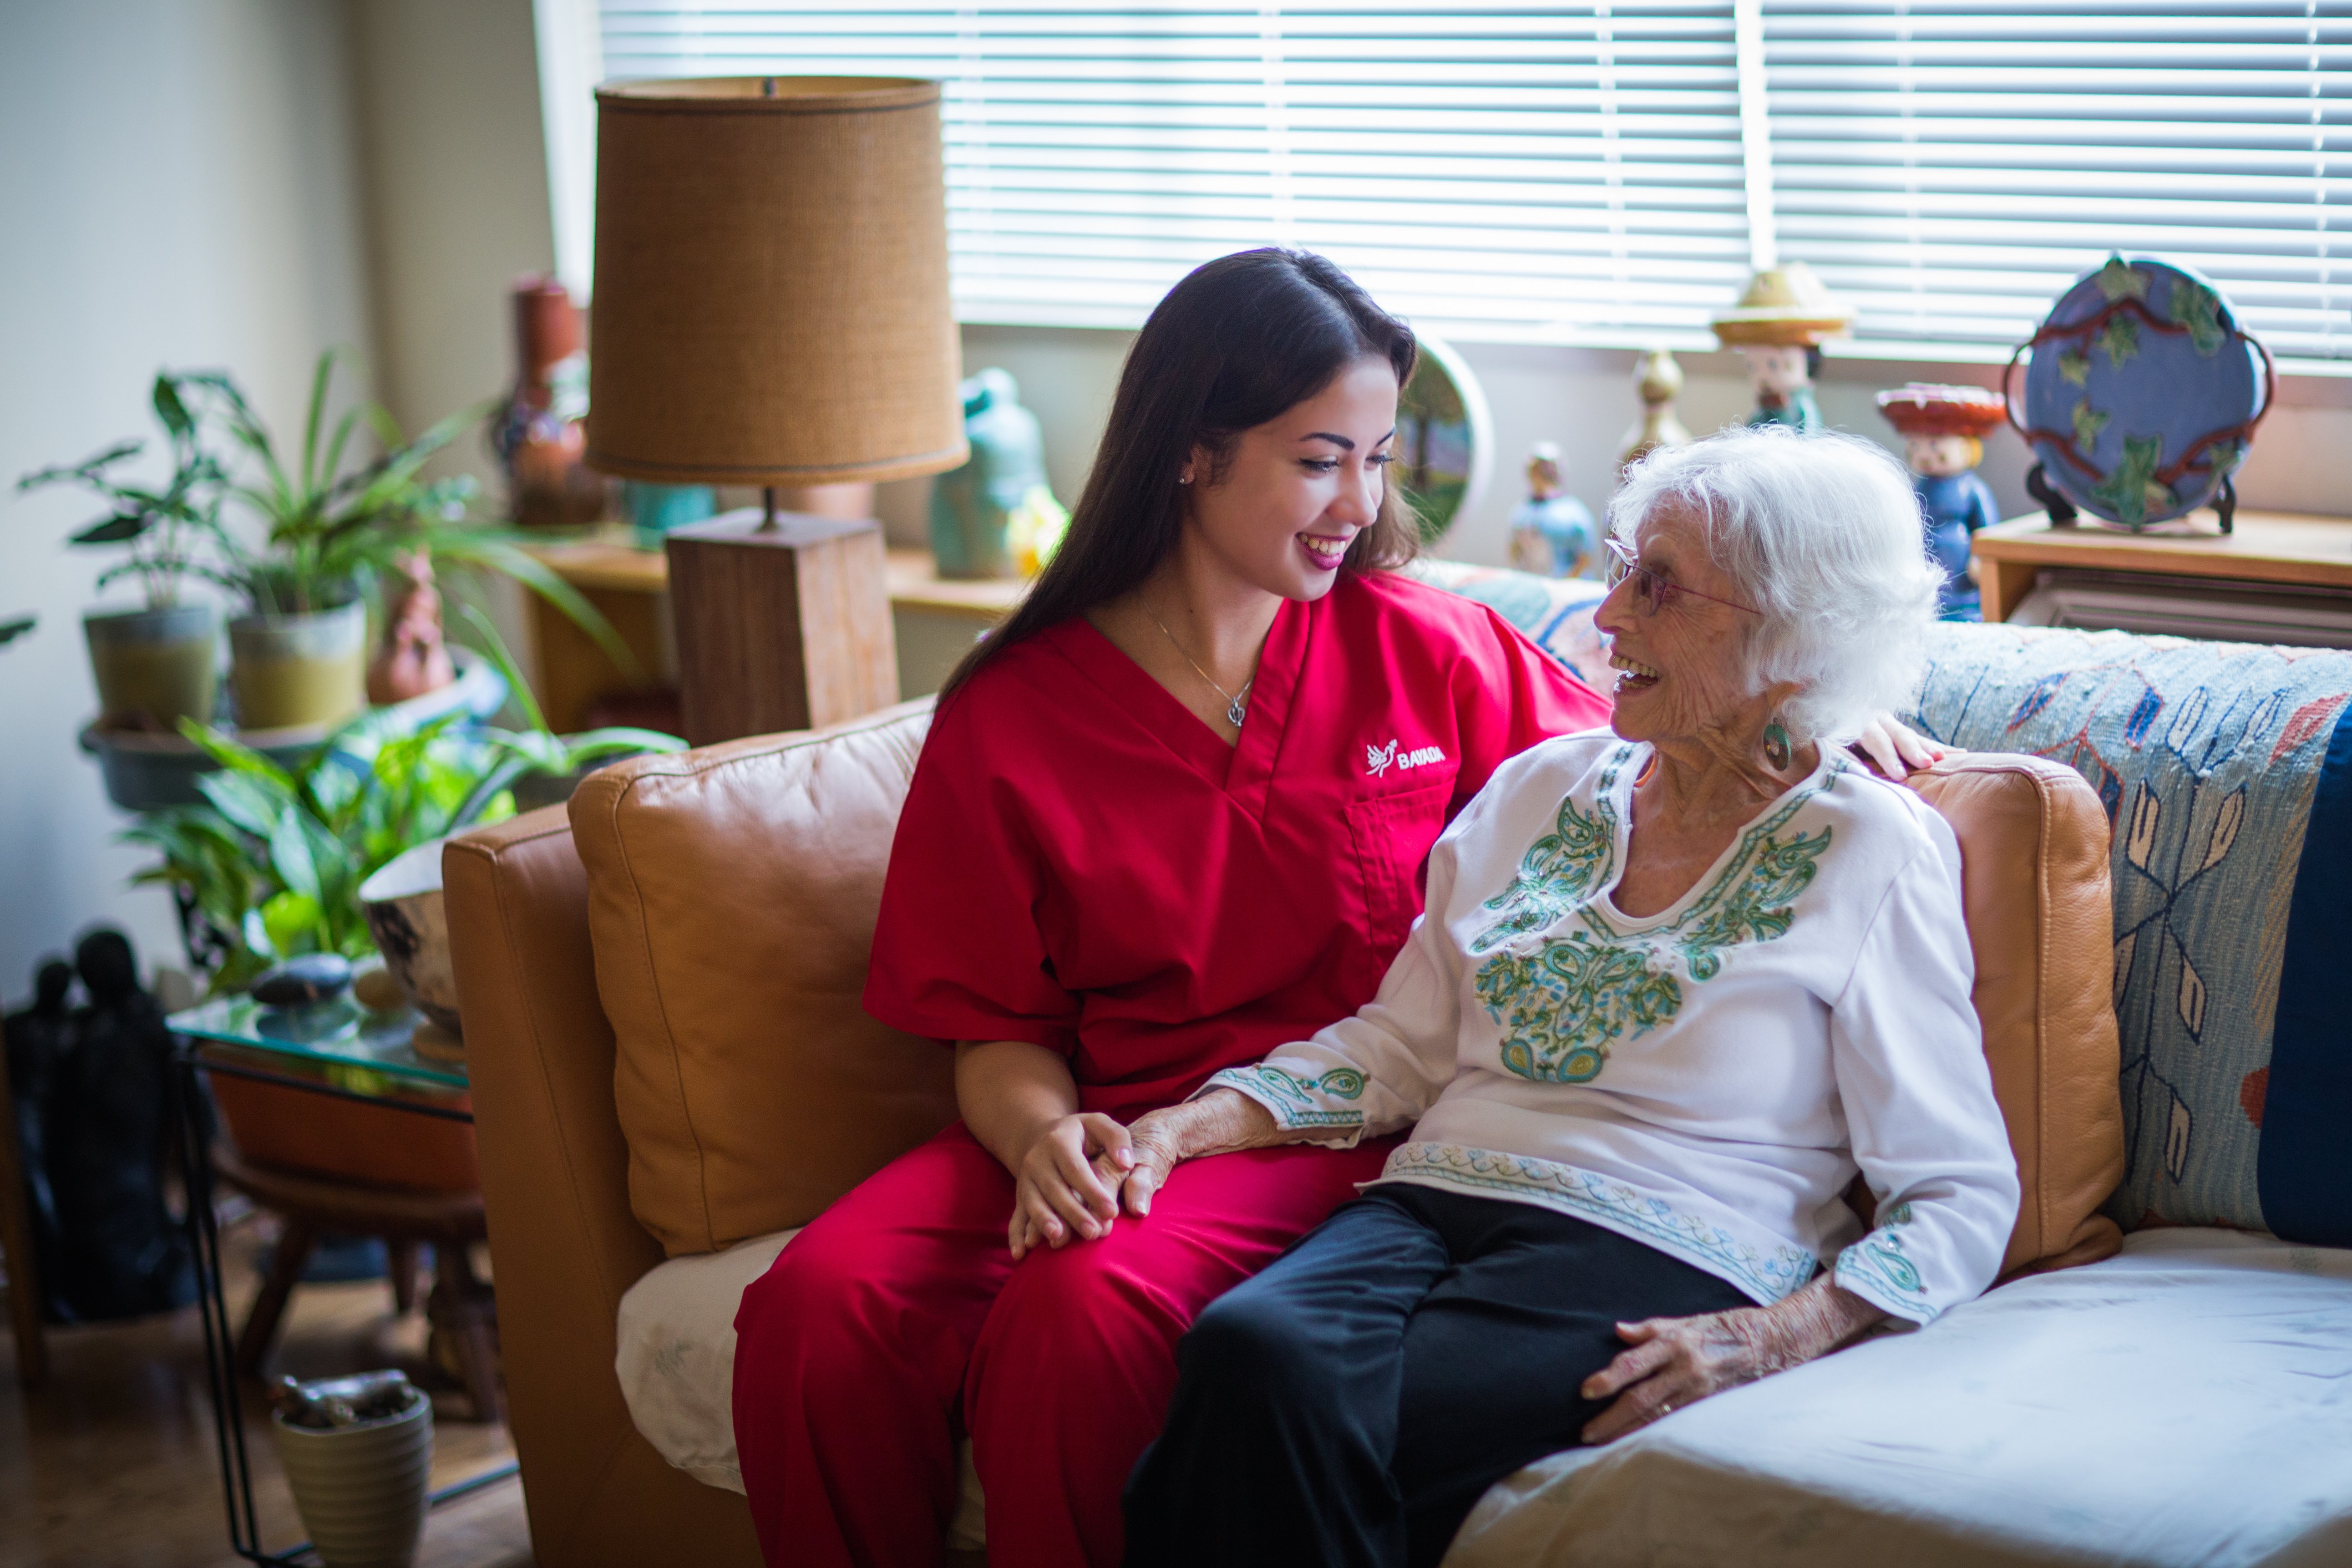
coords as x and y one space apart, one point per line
1675 1361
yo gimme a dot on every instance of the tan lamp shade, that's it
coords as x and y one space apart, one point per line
772 283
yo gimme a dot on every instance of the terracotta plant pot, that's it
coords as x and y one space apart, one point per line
153 668
299 669
403 905
361 1490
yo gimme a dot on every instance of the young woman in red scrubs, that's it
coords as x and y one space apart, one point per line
1170 816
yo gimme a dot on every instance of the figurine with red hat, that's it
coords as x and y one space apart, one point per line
1943 429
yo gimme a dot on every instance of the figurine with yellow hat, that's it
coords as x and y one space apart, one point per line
1778 327
1943 430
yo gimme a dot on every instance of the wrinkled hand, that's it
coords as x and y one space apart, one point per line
1159 1139
1895 750
1217 1123
1060 1190
1675 1361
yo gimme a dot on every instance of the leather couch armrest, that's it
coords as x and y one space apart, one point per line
555 1180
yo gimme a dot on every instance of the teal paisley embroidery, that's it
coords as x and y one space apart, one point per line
1756 908
1300 1099
1563 1004
1561 868
1879 1260
1768 1274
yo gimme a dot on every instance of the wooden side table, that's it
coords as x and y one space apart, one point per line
2268 548
936 621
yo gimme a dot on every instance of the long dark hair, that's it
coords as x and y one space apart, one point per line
1236 344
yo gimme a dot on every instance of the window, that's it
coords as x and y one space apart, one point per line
1607 173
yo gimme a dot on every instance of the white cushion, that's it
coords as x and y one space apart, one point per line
2188 1402
677 1366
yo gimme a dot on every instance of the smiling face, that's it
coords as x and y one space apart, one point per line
1293 492
1680 669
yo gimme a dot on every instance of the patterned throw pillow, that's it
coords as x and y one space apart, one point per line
2233 924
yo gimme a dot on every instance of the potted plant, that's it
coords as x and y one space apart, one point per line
154 665
331 532
269 865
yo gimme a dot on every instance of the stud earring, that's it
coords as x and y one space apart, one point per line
1777 747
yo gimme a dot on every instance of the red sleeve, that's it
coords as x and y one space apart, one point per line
958 954
1510 694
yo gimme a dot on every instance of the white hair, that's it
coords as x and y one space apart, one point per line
1823 536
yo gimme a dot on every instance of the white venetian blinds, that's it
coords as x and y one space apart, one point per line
1586 174
1568 172
1950 166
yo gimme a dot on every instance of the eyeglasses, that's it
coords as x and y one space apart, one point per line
1650 589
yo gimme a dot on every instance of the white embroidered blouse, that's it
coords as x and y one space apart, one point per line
1706 1079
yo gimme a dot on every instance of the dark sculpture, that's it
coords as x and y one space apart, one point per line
95 1116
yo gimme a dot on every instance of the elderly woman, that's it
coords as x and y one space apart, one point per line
1675 985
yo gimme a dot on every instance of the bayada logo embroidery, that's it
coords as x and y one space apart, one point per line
1378 760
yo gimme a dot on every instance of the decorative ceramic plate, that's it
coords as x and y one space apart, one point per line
1445 438
2143 392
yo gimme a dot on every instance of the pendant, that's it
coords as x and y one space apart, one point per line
1234 713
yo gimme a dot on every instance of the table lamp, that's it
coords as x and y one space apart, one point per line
771 310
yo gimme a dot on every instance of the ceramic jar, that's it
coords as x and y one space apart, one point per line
361 1490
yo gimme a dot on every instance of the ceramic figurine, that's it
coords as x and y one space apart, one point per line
414 659
1943 430
1659 381
1778 326
1552 534
975 507
540 438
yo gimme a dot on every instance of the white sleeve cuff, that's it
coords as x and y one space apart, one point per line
1299 1104
1877 1270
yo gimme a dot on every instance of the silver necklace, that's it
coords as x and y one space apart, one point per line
1235 702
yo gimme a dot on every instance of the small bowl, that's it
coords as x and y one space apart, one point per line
403 904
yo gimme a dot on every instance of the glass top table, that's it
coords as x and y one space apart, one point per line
341 1043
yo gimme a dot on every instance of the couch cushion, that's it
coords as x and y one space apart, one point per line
2181 1403
2033 870
732 893
2208 757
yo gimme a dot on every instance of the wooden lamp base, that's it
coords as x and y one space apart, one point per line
783 623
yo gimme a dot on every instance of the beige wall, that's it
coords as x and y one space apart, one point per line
179 181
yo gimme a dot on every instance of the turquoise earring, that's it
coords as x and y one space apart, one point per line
1777 746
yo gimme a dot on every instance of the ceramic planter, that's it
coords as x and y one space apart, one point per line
288 670
361 1490
153 668
403 905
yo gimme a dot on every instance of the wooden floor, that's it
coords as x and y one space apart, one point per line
111 1463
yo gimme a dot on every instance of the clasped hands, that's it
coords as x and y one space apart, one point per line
1080 1171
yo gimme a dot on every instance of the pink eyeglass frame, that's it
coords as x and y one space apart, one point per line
1624 564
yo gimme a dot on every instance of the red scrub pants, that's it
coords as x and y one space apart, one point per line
901 1304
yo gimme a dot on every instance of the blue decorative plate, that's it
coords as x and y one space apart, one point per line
2143 394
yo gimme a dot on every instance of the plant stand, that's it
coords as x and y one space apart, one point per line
221 1374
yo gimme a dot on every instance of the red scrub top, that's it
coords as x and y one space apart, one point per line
1084 864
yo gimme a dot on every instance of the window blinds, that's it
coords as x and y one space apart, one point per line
1569 173
1949 166
1586 174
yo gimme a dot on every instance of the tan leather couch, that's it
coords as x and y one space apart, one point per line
668 1055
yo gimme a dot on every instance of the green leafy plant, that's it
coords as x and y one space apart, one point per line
273 859
540 750
161 530
332 529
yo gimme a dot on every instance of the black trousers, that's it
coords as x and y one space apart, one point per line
1348 1405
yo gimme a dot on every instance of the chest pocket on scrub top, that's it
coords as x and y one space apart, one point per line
1393 834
